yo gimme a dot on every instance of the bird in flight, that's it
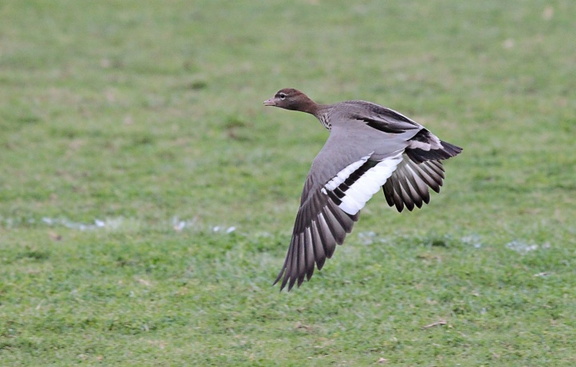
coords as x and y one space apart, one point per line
369 147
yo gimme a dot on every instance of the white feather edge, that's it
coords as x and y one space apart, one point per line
366 186
433 143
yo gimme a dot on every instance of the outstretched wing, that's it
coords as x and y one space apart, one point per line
320 225
370 148
328 212
410 183
421 168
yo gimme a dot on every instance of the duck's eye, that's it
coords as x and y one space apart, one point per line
282 96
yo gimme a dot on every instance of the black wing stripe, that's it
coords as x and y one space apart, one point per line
356 175
425 146
334 197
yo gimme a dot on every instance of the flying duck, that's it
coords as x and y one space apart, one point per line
369 147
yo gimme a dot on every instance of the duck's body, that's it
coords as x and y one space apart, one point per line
369 147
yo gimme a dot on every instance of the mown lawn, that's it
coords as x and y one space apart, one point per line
147 196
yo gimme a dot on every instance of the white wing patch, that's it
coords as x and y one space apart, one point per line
352 198
345 173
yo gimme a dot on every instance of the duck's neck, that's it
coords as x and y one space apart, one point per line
311 107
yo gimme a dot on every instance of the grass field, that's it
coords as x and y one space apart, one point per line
147 196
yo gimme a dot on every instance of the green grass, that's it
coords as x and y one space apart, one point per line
147 196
